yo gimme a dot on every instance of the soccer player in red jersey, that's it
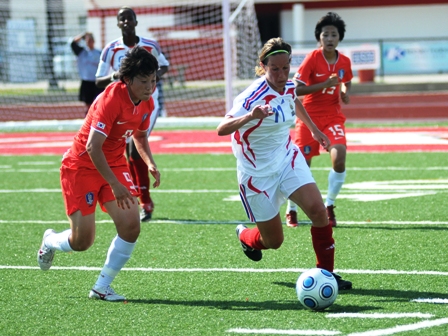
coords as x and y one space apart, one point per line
324 78
94 170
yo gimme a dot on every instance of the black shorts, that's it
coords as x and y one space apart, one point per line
88 92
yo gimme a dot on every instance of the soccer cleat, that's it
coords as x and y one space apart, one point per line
331 215
291 219
45 255
251 253
342 284
106 294
146 213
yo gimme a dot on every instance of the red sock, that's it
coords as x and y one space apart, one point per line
251 237
323 244
140 175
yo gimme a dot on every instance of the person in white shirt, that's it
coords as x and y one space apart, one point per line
270 167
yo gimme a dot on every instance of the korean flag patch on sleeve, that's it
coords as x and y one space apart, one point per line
101 125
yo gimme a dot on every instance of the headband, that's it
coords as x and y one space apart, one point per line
276 52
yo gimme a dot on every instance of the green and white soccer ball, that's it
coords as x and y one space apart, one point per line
316 289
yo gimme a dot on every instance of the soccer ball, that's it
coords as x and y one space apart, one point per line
316 289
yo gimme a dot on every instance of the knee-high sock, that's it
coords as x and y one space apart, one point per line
140 175
335 182
290 206
323 244
59 241
251 237
119 253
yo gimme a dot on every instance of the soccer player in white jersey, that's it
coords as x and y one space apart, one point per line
111 57
270 167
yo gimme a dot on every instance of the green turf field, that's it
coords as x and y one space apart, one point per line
188 275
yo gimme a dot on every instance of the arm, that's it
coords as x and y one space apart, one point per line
230 125
302 114
75 46
162 70
345 94
104 81
94 149
141 143
163 64
302 89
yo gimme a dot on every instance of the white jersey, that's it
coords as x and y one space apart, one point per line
114 52
263 146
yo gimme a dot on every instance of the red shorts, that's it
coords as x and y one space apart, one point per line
332 126
83 188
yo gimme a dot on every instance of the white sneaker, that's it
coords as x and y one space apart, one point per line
105 293
45 255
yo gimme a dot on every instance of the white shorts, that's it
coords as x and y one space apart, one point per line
262 197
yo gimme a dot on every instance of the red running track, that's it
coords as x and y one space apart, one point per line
199 142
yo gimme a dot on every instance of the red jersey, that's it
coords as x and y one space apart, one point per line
315 69
114 115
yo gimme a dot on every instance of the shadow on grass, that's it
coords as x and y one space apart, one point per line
382 295
247 305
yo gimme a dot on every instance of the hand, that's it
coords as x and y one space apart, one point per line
262 111
122 196
322 139
333 80
156 174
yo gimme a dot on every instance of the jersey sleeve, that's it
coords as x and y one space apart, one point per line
104 65
144 126
303 74
162 60
348 76
105 113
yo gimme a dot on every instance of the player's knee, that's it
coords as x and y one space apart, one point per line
80 245
316 212
273 242
131 233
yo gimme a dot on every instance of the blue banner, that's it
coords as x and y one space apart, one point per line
424 57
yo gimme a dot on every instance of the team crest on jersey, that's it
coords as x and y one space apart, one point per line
307 149
89 198
341 73
101 125
144 117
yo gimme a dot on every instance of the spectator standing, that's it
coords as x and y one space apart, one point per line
87 60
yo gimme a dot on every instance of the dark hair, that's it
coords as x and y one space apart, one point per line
330 19
127 8
270 48
138 61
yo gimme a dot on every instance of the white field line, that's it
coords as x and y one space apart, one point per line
283 332
379 315
436 300
229 270
402 328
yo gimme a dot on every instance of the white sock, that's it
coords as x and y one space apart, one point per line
59 241
291 206
335 182
119 253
